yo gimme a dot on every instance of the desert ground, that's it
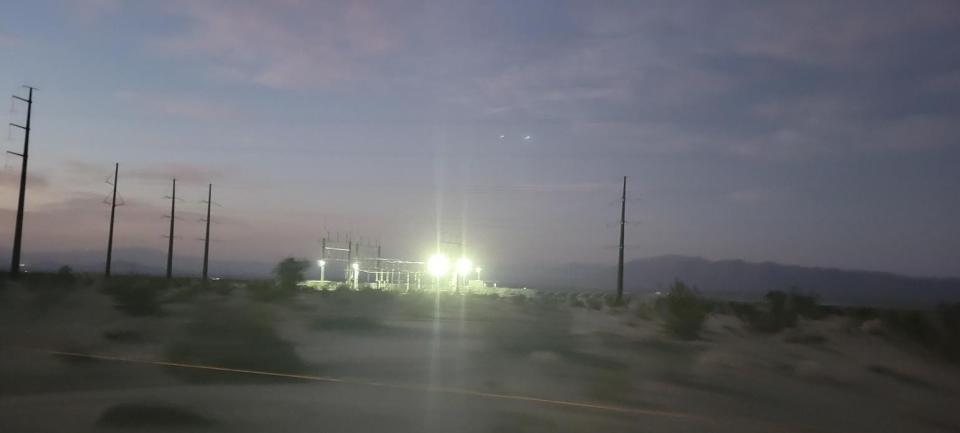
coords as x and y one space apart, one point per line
202 359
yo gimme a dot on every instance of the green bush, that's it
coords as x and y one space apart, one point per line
266 291
779 310
937 330
593 301
65 275
684 311
289 272
137 296
644 309
241 338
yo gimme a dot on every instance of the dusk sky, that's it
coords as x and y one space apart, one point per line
819 133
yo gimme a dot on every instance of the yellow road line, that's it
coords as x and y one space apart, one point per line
767 426
514 397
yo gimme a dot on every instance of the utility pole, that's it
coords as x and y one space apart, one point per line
349 270
323 259
623 215
173 217
379 277
206 238
113 212
18 232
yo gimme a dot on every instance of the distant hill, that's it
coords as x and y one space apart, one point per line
749 280
140 261
734 279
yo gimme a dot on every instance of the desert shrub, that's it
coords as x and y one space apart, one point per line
182 291
809 338
936 330
266 291
949 315
610 300
518 299
593 301
347 323
779 310
644 309
574 300
240 338
684 311
548 301
220 286
782 313
137 296
546 331
744 310
46 290
65 275
289 272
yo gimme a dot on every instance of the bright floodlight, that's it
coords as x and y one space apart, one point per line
321 263
464 265
438 265
355 266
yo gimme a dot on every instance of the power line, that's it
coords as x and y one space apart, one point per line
18 232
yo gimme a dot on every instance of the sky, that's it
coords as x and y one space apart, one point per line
816 133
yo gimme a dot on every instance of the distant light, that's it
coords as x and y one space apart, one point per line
464 265
438 265
478 269
502 136
355 266
526 137
321 263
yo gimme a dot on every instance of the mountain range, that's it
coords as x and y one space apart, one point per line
733 279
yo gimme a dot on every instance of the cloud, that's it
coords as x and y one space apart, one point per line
181 106
10 180
183 172
8 40
90 11
525 188
282 44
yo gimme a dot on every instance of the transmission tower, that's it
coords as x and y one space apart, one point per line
206 238
18 232
173 217
623 215
113 212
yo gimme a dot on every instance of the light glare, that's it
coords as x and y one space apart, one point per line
438 265
464 265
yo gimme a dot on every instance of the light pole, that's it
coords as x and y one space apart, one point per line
323 269
478 272
464 265
356 274
438 265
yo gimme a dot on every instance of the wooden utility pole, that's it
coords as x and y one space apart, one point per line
113 213
206 238
173 217
623 215
18 231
